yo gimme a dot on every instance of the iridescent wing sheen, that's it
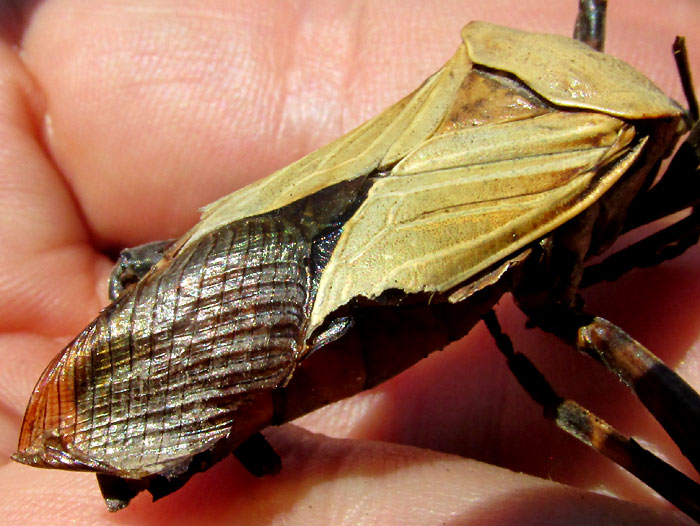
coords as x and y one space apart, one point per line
161 373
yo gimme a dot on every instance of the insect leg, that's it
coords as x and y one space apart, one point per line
680 54
590 23
134 263
117 491
663 245
674 404
258 457
576 420
678 189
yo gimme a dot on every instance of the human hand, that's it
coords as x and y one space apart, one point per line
119 120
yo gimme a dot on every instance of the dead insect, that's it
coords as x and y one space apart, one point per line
523 156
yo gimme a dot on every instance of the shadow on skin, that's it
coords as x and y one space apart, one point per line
14 16
323 476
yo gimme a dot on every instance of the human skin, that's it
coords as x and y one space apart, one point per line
118 120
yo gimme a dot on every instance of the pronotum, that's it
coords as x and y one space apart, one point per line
344 213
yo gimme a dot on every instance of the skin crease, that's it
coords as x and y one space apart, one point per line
119 119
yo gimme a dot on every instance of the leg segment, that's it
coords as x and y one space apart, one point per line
258 457
590 23
676 190
674 404
680 53
134 263
574 419
663 245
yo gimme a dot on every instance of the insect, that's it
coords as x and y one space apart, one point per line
385 226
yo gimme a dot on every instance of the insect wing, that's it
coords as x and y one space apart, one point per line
161 373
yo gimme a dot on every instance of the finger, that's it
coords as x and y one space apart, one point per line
47 272
330 481
188 104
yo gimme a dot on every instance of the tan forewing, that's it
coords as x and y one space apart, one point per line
376 143
467 199
568 72
557 69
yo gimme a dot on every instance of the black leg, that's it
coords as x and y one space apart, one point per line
258 457
680 54
663 245
676 190
674 404
590 23
574 419
117 491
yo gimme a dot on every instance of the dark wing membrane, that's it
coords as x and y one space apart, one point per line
158 376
